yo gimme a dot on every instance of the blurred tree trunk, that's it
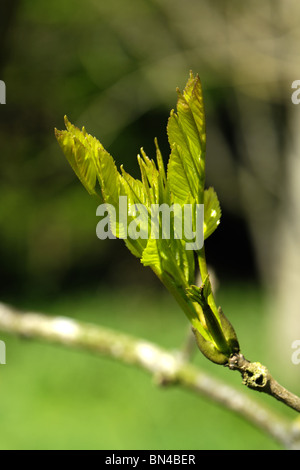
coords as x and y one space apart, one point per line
8 13
286 254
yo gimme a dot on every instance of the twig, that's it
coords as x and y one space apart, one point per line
257 377
167 366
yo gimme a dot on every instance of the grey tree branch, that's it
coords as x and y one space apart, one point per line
167 367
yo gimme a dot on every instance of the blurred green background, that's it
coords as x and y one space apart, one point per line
114 67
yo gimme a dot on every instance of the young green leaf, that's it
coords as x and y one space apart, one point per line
133 203
80 150
186 133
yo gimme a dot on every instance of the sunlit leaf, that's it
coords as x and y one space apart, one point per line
186 134
131 202
79 154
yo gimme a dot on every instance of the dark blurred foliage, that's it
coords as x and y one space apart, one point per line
113 67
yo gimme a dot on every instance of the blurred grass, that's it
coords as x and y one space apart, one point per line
54 398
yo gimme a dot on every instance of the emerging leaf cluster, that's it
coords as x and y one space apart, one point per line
182 182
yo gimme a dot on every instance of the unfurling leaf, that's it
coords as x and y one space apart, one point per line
186 133
133 203
81 152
